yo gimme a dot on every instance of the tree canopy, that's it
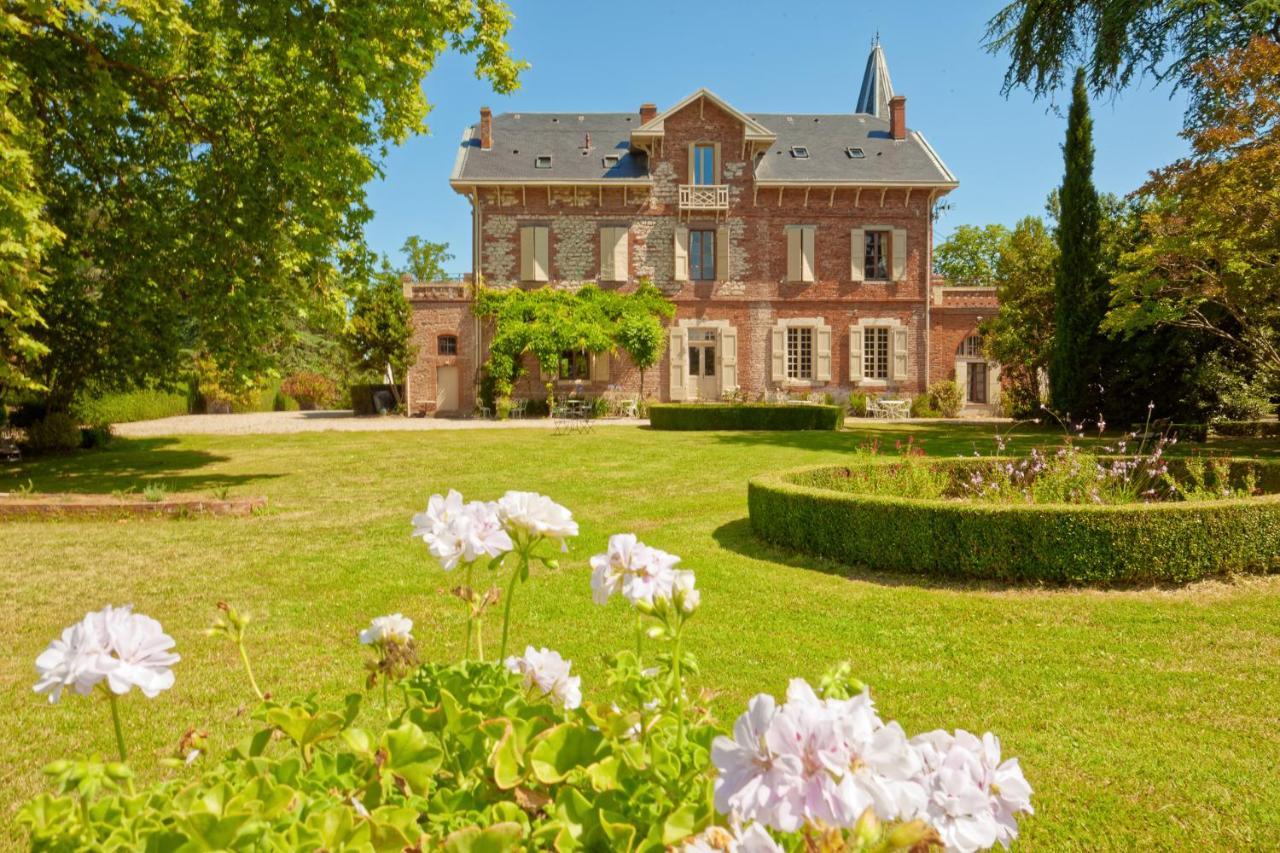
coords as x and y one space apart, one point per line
380 332
1120 40
424 260
970 254
548 321
206 163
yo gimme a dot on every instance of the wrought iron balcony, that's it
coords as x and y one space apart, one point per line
704 197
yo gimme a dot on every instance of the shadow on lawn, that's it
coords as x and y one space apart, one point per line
126 464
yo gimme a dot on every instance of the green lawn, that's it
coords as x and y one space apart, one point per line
1143 718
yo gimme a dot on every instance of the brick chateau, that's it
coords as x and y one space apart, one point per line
797 249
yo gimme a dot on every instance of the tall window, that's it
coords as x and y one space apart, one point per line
702 352
971 347
875 353
574 365
704 164
875 263
799 353
702 255
447 345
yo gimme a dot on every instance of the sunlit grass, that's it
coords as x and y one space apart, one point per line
1143 718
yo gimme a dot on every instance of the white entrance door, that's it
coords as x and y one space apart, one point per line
447 388
704 378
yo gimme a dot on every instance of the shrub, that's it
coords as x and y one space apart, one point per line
124 407
284 403
1056 543
945 397
922 407
56 431
858 404
745 416
95 436
311 390
1246 429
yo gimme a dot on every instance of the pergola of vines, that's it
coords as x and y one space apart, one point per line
547 322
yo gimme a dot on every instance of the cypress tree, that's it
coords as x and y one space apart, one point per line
1080 289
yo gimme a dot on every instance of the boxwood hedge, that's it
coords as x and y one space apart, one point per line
732 416
1054 543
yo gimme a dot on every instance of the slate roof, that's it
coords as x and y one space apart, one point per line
911 161
518 138
877 89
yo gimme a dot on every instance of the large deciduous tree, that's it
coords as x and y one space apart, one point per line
1118 40
207 162
970 254
1080 291
424 260
1209 260
380 334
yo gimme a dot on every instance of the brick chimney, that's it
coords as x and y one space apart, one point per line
647 112
898 117
486 128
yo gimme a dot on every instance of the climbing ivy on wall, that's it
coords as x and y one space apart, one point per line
546 322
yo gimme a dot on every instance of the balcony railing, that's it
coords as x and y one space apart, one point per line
704 197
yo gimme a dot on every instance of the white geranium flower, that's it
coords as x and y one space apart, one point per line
124 648
441 510
754 781
735 839
653 575
536 515
140 648
684 593
382 629
974 798
483 534
458 533
75 660
546 671
610 569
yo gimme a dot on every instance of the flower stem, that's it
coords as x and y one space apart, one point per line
386 698
471 609
679 698
115 718
639 636
479 641
506 605
244 656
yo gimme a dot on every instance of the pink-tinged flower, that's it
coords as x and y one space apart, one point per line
974 798
653 575
483 533
387 629
115 645
536 515
440 512
638 572
754 781
140 648
610 569
548 673
754 838
458 533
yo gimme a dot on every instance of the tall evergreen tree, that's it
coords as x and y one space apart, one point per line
1080 288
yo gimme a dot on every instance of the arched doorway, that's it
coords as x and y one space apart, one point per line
978 378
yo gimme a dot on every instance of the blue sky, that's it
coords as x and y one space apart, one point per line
777 57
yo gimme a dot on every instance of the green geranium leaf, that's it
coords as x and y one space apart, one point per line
491 839
562 749
504 758
680 824
413 755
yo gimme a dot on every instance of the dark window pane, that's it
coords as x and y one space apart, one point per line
693 361
709 361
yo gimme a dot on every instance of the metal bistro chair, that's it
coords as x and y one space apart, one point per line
518 408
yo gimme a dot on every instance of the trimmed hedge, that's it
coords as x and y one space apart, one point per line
1054 543
744 416
1246 429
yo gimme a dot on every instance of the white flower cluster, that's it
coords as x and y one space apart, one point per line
115 645
459 533
829 760
641 575
716 839
544 670
395 628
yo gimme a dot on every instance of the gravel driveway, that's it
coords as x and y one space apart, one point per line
264 423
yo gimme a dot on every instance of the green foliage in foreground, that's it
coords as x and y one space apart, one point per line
744 416
1053 543
1088 688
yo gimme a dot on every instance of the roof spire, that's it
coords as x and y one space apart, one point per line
873 98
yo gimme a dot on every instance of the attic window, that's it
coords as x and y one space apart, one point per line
855 153
542 161
799 152
610 160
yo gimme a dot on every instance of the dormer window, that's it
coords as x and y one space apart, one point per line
611 160
854 153
800 152
542 161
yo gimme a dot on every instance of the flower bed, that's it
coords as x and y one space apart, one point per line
744 416
833 512
33 505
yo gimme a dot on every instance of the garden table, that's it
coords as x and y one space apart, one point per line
894 409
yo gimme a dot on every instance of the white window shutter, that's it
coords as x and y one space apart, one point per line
858 253
855 354
678 355
599 367
794 249
681 271
526 253
962 379
541 253
898 352
621 254
806 253
727 357
822 365
606 255
993 383
722 253
899 247
778 353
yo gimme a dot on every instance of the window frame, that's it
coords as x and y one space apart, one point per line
877 353
573 357
706 242
972 352
881 239
707 162
440 345
801 343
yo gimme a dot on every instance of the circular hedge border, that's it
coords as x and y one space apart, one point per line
744 416
1055 543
